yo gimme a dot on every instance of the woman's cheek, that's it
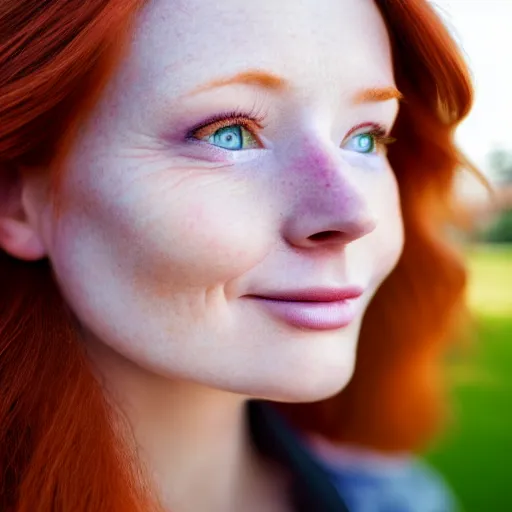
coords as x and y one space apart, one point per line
202 243
377 253
389 239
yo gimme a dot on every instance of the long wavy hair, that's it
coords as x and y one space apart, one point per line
62 447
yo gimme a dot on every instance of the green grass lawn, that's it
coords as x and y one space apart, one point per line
474 456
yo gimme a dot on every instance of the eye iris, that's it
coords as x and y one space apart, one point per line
229 137
365 143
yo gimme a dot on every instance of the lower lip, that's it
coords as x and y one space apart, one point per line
313 315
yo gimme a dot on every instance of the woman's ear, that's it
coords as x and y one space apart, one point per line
19 233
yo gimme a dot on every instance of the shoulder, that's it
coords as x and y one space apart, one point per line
371 482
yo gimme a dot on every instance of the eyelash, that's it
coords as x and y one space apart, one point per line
254 121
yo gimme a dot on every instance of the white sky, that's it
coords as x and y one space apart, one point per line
483 28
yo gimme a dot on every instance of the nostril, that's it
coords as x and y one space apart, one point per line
325 235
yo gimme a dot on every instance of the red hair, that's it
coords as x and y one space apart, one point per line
60 448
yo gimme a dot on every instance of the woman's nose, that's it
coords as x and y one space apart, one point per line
315 226
328 208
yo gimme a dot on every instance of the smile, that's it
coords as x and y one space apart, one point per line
316 309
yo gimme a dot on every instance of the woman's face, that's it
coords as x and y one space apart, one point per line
236 157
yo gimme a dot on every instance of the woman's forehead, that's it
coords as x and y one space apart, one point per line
178 45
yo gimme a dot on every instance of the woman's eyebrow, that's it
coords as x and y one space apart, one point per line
254 77
377 94
273 82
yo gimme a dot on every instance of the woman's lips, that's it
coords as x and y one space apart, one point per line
317 309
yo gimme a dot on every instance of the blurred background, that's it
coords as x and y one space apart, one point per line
473 454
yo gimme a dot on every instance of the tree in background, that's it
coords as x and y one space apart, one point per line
500 163
500 230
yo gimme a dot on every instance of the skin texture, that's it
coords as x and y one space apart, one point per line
160 238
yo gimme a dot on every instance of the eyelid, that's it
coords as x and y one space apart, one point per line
368 128
252 120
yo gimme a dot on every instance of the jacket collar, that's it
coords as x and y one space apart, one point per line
312 489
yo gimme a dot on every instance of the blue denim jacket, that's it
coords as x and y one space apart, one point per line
330 478
370 482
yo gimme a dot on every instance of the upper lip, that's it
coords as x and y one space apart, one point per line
313 294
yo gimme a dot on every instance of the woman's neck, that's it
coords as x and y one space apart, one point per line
193 441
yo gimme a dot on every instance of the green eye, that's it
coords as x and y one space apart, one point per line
362 143
233 137
230 137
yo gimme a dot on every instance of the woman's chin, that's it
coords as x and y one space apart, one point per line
311 387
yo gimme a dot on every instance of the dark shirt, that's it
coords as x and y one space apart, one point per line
312 489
